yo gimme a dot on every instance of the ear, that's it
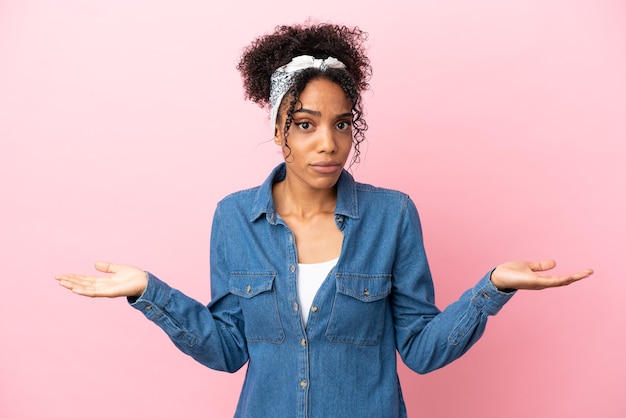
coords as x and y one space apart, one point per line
278 138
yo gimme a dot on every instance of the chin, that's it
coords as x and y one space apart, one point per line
324 184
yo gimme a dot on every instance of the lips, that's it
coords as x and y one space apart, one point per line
326 167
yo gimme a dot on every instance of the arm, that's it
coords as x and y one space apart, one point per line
428 339
212 335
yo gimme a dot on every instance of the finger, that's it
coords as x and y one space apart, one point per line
72 277
65 283
74 283
105 267
581 274
67 280
86 285
87 291
556 281
542 265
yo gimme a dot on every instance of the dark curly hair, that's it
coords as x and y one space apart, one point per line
269 52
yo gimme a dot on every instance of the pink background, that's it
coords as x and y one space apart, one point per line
122 124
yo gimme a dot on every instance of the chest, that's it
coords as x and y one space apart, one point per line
317 239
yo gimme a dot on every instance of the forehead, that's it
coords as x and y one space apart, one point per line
321 92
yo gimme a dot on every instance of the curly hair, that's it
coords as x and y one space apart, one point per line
269 52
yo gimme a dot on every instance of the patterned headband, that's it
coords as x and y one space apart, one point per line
282 79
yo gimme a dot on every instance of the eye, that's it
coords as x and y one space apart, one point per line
344 125
303 125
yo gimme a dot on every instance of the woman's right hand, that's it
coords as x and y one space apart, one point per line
125 281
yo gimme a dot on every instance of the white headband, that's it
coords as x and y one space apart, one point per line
282 79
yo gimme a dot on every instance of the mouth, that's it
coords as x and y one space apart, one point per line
326 167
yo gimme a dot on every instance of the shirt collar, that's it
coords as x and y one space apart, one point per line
347 203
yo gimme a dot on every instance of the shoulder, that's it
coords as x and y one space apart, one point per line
239 202
244 195
369 194
368 188
258 198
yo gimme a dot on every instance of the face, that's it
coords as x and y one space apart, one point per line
320 135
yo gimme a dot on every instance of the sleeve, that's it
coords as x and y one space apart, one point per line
213 335
427 338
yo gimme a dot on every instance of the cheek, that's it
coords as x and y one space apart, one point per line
347 142
287 151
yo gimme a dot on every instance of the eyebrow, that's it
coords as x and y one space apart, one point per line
319 114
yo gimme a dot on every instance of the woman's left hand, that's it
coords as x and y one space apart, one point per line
529 275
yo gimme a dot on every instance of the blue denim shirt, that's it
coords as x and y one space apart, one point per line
379 298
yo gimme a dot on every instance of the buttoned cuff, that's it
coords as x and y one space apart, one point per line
156 294
487 297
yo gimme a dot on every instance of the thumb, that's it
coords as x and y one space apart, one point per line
542 265
105 267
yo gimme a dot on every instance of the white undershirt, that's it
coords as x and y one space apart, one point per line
310 279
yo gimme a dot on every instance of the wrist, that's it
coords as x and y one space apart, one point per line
498 284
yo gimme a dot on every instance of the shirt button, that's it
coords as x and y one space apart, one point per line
148 307
248 289
292 268
303 384
295 306
303 342
339 218
366 292
314 308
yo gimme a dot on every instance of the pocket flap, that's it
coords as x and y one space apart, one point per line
250 285
366 288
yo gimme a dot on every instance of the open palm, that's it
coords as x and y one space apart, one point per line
124 281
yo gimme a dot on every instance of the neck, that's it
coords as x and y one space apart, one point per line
294 200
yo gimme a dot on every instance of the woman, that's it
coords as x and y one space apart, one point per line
317 280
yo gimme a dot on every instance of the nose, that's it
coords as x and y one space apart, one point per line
326 141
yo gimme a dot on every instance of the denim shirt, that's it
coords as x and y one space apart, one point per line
379 298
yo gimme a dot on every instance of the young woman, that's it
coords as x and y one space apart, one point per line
317 280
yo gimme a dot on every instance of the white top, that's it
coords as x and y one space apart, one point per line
310 279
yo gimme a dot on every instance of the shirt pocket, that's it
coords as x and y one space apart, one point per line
358 313
257 298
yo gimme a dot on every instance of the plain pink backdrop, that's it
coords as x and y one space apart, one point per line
122 123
